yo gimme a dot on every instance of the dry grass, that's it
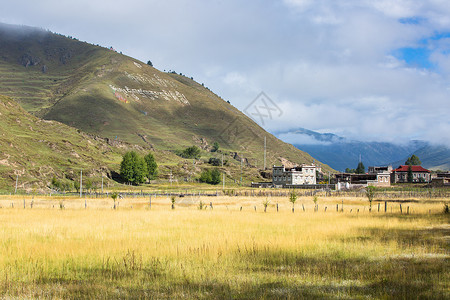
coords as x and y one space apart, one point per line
137 252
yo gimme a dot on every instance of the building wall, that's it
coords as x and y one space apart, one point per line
295 176
402 177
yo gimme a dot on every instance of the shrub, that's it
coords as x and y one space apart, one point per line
210 176
190 152
217 162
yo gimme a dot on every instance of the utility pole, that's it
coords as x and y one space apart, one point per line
81 183
102 183
222 160
265 148
241 170
17 180
170 178
223 182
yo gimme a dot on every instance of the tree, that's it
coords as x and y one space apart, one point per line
89 184
292 199
265 204
360 169
76 185
348 170
133 168
114 197
210 176
205 176
172 199
410 174
190 152
126 167
149 63
370 194
215 147
413 161
140 170
56 184
152 166
215 176
217 161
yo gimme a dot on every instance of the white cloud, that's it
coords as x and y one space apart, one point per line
328 64
300 139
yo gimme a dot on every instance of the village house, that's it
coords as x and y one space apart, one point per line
441 179
376 176
420 174
300 175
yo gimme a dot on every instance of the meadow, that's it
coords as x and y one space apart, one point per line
59 249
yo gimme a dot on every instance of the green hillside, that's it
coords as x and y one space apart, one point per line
36 150
105 93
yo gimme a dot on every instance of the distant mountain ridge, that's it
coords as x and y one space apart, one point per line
341 153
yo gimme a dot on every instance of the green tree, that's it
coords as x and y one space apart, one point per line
114 197
215 176
360 169
76 185
56 184
292 199
190 152
133 168
413 161
210 176
88 184
370 194
150 63
205 176
215 147
152 166
140 170
126 166
410 175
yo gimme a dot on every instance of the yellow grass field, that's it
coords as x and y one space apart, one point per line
226 252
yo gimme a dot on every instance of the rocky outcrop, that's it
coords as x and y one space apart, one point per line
27 60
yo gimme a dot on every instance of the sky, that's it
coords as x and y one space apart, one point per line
370 70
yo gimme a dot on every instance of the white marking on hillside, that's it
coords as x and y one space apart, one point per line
167 95
137 65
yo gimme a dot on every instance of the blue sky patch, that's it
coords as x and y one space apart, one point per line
412 20
419 57
415 57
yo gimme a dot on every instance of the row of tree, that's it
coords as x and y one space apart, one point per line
135 169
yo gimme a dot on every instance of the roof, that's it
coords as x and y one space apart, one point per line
404 168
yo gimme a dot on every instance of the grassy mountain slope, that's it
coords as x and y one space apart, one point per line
37 150
109 94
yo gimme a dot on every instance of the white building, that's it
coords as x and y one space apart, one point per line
304 174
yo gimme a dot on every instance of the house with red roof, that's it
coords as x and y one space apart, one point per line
420 174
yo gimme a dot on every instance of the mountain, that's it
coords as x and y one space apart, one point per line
341 153
433 157
108 94
36 150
